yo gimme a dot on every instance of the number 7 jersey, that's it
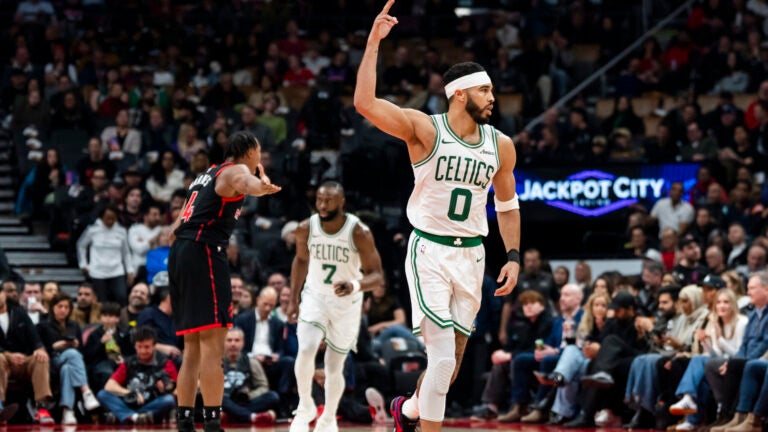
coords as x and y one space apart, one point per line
332 257
451 184
208 217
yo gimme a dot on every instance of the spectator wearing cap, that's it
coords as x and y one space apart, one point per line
720 336
672 212
143 236
723 373
725 124
737 245
756 261
159 317
620 342
689 269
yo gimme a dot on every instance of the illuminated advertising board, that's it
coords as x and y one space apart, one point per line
562 193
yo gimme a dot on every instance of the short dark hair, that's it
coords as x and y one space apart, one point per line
672 290
333 184
179 193
110 308
461 69
240 143
108 207
143 333
86 285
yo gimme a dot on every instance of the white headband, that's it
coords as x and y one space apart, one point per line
467 81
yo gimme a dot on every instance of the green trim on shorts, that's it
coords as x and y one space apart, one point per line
442 323
328 342
462 242
456 328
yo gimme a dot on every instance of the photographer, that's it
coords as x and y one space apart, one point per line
141 389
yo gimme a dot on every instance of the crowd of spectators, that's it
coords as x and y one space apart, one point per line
115 107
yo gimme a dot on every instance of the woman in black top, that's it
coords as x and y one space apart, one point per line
61 338
49 175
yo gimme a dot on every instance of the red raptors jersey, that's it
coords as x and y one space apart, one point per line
207 217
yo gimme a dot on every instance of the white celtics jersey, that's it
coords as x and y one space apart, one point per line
332 257
451 185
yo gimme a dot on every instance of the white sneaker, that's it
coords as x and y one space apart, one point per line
605 418
68 417
685 426
685 406
90 401
376 400
326 423
304 415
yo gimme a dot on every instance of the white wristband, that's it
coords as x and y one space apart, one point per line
355 286
505 206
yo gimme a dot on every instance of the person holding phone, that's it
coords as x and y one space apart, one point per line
61 338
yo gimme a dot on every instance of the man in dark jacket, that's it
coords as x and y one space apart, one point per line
269 346
247 397
523 333
23 357
619 344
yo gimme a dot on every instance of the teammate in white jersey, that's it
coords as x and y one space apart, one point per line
336 261
456 157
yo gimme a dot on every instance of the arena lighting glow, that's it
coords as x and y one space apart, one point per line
592 193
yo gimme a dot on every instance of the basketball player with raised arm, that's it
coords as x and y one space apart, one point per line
456 157
201 294
332 247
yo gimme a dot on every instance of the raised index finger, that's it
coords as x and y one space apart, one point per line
387 7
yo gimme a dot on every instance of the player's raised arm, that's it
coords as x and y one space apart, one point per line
241 181
370 261
508 213
383 114
299 269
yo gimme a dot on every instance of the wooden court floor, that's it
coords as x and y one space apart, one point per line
450 426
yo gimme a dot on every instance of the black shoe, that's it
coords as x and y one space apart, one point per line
641 420
556 419
212 425
600 380
580 422
8 412
185 424
546 403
